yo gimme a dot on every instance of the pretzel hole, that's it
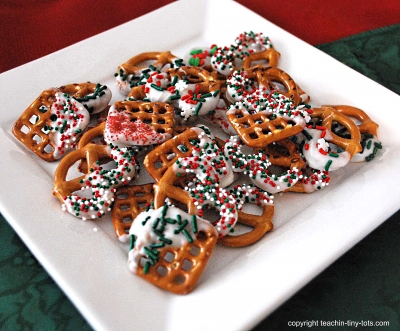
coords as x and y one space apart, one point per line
253 136
211 214
160 131
169 257
187 265
179 280
24 129
128 220
48 149
276 170
158 165
279 86
161 121
170 155
194 250
340 130
147 121
45 129
201 236
142 205
33 119
142 261
37 139
124 207
252 209
44 108
162 271
162 111
122 196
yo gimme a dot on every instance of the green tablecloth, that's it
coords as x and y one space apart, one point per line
363 285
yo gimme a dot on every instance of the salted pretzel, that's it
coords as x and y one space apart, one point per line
42 129
261 128
129 202
94 96
170 248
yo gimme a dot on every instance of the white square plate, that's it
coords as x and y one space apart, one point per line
240 286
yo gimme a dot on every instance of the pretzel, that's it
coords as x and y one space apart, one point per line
368 129
164 156
196 197
131 72
139 123
170 248
261 224
100 182
280 81
327 116
229 58
310 180
284 153
365 123
43 127
203 97
94 97
325 150
244 82
270 55
261 128
257 168
129 202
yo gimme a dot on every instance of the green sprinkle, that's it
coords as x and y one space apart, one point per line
327 165
146 267
308 136
181 226
197 109
156 87
188 236
215 93
194 224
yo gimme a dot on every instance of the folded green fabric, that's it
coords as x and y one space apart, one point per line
375 54
30 300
